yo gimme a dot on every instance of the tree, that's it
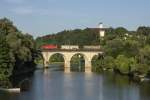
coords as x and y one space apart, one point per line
125 65
6 64
131 47
21 46
144 56
120 31
109 62
7 26
57 58
114 47
143 30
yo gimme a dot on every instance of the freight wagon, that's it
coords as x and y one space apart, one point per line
96 47
49 46
70 47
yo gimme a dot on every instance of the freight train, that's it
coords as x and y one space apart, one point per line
69 47
63 47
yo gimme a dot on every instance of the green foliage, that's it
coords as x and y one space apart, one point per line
131 50
7 26
144 55
5 83
143 30
120 31
114 47
77 60
17 50
131 47
123 64
56 58
97 63
6 64
21 45
109 62
71 37
39 59
142 69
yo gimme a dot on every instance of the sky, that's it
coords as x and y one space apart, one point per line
41 17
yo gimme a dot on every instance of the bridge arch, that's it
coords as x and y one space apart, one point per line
82 54
57 54
56 61
77 62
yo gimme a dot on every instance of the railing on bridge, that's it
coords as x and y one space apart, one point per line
88 50
51 47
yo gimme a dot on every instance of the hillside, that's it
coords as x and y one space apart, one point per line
72 37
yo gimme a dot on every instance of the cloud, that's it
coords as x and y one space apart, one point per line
32 10
15 1
22 10
29 10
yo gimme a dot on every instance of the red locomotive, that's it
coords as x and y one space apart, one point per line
49 46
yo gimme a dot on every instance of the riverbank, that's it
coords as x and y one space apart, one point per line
25 69
134 76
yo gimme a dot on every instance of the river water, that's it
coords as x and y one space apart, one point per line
57 85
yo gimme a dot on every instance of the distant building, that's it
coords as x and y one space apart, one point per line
101 30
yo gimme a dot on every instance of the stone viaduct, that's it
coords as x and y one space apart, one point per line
68 54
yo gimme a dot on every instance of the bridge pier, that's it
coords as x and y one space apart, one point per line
67 66
88 65
45 64
67 69
88 69
46 56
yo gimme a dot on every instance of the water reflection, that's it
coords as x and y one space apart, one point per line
57 85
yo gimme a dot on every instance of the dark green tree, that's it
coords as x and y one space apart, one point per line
22 47
143 30
120 31
6 64
7 26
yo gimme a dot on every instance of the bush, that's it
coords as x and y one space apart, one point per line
125 65
109 62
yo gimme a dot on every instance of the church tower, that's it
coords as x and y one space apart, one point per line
101 30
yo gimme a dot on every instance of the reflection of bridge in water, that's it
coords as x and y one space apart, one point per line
68 54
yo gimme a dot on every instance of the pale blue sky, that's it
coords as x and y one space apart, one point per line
40 17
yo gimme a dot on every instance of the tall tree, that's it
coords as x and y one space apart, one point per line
6 64
22 47
143 30
7 26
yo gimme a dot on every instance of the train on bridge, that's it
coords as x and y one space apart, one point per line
70 47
